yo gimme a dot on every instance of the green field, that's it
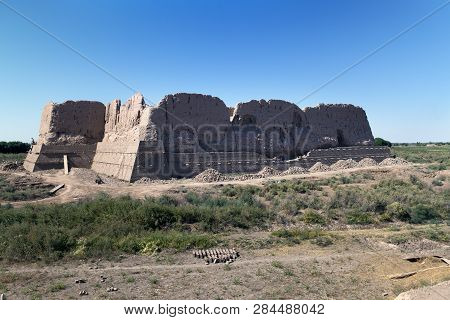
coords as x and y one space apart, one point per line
12 157
439 155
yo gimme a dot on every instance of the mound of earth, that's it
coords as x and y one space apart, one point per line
267 172
318 167
294 170
367 162
11 166
91 176
344 164
209 175
393 162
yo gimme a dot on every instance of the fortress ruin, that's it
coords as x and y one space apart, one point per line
184 134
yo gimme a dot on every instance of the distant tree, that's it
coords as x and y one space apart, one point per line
382 142
14 147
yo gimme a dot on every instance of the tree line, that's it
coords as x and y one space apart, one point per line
14 147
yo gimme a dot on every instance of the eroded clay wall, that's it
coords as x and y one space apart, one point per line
338 125
72 122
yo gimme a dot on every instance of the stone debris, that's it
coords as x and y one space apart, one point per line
2 296
245 176
294 170
367 162
209 175
145 180
318 167
219 255
11 166
111 289
103 278
393 162
80 281
83 293
267 172
344 164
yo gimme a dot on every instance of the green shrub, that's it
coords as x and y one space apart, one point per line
322 241
382 142
312 217
358 217
104 225
422 213
398 211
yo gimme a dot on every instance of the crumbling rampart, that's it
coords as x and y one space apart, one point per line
187 133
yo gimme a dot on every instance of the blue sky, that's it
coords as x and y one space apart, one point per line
235 50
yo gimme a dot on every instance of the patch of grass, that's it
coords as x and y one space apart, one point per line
57 286
288 272
237 281
13 192
437 183
297 235
19 157
294 186
277 264
131 279
439 154
434 233
323 241
312 217
154 280
359 217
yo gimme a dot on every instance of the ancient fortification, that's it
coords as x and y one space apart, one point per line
185 134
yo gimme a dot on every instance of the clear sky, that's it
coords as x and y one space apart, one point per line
235 50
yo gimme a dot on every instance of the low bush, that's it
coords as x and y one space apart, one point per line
104 225
312 217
